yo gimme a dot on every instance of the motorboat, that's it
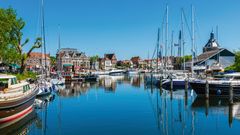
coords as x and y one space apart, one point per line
16 99
116 72
178 81
218 86
132 72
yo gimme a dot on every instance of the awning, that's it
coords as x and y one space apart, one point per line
67 65
14 66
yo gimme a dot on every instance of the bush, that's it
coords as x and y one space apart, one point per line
25 75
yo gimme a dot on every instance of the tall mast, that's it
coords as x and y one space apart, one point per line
43 36
59 47
158 38
166 36
171 48
193 39
183 42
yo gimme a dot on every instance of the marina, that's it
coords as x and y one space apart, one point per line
119 69
124 105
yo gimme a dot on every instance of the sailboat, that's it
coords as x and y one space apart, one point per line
44 86
57 78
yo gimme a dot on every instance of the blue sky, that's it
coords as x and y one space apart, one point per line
125 27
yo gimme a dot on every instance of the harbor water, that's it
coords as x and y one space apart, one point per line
125 105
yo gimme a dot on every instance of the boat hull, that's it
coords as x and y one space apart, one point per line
177 84
215 89
12 115
18 102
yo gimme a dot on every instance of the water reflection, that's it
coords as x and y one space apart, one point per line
130 108
218 106
22 126
108 83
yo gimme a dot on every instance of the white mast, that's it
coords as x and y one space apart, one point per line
166 36
43 37
158 36
183 42
193 40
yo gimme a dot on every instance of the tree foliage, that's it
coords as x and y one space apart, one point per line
94 58
11 45
236 65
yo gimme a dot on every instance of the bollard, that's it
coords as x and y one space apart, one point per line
230 94
186 84
207 90
160 82
171 84
230 115
206 106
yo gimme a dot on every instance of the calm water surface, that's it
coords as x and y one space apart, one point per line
125 106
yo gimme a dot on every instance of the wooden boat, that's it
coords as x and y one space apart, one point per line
218 86
14 93
16 99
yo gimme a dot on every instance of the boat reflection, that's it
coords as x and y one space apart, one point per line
22 126
108 83
216 105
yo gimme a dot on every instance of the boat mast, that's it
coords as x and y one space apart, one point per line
182 38
166 36
59 47
43 38
171 47
193 40
158 36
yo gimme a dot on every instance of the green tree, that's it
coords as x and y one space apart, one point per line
94 59
236 65
11 35
53 61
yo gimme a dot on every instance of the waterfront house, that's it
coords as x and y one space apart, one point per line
212 54
108 62
70 59
135 61
36 61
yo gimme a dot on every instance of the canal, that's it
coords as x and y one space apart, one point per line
123 105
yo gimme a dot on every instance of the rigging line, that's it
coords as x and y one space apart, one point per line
185 18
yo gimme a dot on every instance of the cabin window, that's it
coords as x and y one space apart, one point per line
13 81
3 84
26 88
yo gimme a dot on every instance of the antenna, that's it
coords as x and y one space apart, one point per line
217 32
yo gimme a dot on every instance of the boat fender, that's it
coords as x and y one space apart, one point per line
5 90
219 92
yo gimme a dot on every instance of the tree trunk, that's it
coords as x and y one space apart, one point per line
23 65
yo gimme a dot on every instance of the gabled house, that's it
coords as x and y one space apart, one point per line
108 62
71 59
36 61
213 54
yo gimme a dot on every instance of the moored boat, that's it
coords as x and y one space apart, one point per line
57 79
218 86
16 99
